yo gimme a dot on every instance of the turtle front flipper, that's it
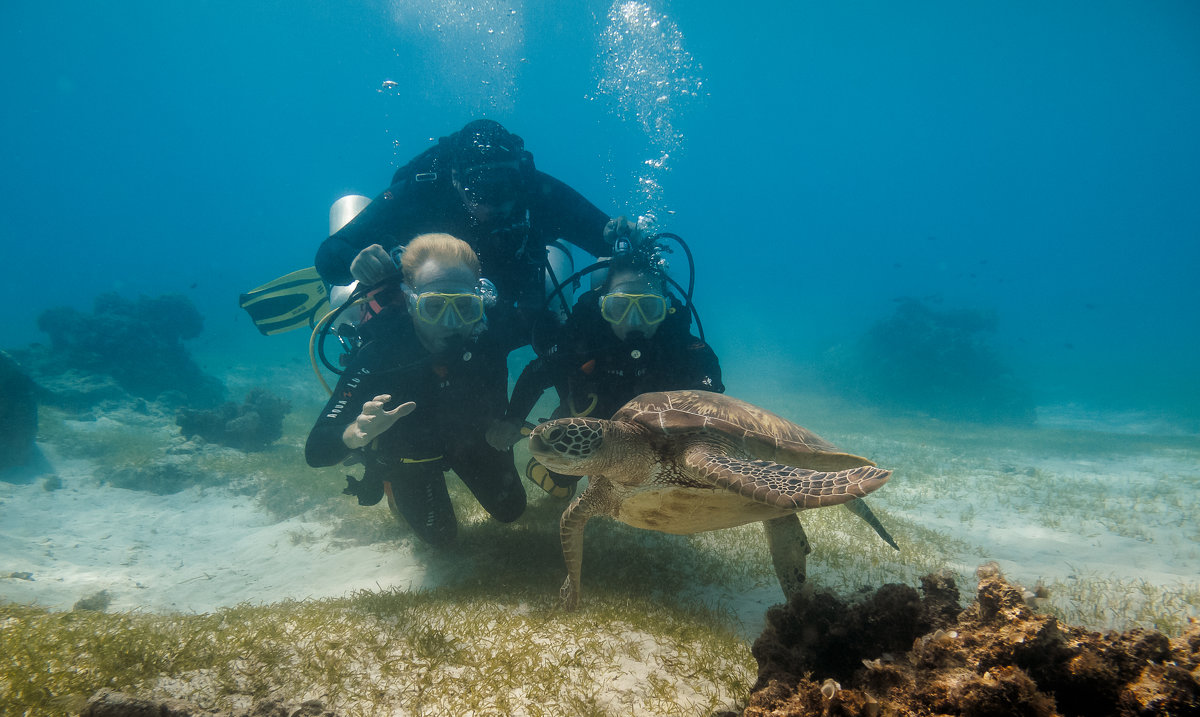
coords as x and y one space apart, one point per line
594 500
779 485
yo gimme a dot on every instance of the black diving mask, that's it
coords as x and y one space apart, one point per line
491 184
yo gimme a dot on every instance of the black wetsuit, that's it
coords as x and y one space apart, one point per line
458 394
512 252
597 372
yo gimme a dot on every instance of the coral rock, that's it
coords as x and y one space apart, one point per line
996 658
254 425
139 344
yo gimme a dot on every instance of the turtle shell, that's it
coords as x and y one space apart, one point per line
737 425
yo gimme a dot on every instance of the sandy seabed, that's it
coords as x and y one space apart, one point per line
1041 515
1098 506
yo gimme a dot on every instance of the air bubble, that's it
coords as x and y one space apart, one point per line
650 79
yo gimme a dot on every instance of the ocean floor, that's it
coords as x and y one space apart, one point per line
1098 510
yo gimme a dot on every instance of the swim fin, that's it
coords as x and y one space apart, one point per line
559 486
297 300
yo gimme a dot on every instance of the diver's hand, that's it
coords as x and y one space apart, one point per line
504 433
623 227
374 420
372 265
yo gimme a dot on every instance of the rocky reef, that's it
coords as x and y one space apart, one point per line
902 653
123 348
935 361
251 426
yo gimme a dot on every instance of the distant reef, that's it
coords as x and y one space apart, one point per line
900 653
939 362
18 414
251 426
123 348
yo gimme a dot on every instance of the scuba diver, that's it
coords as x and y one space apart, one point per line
626 337
479 184
419 394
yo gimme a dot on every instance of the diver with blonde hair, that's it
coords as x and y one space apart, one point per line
420 393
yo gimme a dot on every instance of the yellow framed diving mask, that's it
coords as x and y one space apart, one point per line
432 306
616 307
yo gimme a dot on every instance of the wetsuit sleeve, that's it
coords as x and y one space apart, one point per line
378 223
537 376
568 215
701 367
324 446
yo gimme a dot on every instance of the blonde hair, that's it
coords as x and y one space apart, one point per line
442 248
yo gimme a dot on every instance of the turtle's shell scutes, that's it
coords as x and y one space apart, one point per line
725 419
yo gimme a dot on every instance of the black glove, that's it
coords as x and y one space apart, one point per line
623 229
369 491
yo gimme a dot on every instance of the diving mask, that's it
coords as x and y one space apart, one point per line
431 306
616 308
491 184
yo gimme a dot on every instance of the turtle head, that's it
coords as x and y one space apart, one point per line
574 446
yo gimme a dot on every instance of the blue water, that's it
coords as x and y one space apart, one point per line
1038 160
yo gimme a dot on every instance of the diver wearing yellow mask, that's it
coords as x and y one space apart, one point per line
420 393
627 337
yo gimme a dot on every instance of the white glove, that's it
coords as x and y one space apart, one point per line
504 434
374 420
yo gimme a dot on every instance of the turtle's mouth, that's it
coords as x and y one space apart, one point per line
545 451
539 447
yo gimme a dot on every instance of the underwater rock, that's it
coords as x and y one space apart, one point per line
252 426
110 703
139 344
163 476
821 656
18 414
96 602
937 362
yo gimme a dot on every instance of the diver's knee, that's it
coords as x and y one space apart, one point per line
509 511
438 536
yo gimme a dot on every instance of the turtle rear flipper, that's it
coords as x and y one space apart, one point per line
860 508
780 485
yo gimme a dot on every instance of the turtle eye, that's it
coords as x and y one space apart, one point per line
555 435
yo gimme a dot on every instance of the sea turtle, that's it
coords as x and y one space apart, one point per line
689 461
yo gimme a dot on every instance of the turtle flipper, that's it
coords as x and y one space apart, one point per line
594 500
781 485
789 552
860 508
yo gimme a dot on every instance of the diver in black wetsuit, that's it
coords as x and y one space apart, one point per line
420 393
623 339
478 184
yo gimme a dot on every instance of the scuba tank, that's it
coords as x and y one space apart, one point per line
341 213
